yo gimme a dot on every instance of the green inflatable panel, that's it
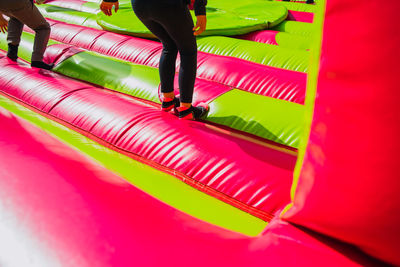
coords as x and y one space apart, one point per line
244 19
296 27
271 55
296 6
128 78
273 119
293 41
69 16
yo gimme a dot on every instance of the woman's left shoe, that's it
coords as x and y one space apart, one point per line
192 113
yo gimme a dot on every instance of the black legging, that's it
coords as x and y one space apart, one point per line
173 26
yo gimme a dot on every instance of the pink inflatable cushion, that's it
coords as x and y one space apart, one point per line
213 162
77 213
349 184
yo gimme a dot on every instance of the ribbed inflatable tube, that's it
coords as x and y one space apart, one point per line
282 126
237 73
140 130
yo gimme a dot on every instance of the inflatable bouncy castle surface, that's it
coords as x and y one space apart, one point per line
295 163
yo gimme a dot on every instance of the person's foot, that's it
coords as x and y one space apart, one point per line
12 52
167 104
192 113
42 65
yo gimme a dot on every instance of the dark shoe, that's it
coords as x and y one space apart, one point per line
192 113
42 65
12 52
310 2
167 104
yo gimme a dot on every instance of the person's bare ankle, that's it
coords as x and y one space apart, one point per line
186 105
169 95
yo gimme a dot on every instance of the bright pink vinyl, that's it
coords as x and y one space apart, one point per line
300 16
76 213
349 184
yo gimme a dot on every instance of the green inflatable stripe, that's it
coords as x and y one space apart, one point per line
297 6
69 16
154 182
296 27
273 119
270 55
269 12
132 79
293 41
312 85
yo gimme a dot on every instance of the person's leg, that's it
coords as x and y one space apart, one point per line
31 16
15 28
167 59
178 23
169 52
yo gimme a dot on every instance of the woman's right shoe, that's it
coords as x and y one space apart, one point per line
167 104
12 52
192 113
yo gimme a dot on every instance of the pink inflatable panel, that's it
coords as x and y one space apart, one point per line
349 184
237 73
265 36
300 16
77 213
194 152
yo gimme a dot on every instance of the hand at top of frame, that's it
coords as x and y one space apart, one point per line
106 7
201 24
3 24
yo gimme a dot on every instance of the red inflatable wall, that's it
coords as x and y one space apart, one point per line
349 182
